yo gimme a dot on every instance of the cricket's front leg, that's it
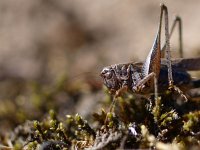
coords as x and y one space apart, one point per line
121 91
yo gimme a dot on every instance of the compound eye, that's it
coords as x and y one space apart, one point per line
106 73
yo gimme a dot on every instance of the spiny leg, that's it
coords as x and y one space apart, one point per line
153 60
151 67
179 21
168 56
176 21
167 43
154 54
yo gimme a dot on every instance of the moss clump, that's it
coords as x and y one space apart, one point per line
133 122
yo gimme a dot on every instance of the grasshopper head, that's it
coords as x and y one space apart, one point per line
110 79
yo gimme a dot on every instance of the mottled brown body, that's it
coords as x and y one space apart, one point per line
131 73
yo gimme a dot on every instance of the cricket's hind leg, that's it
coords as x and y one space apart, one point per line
153 60
168 55
177 21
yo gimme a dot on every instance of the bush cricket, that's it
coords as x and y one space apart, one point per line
142 77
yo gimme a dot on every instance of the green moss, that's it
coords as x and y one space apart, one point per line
192 122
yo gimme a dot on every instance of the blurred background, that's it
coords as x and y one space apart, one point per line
51 52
